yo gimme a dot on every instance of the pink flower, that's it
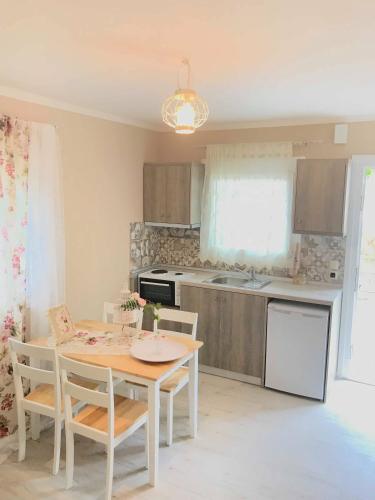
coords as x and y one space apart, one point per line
7 402
141 302
10 170
16 264
135 295
8 321
81 334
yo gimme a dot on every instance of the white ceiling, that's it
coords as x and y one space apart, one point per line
252 60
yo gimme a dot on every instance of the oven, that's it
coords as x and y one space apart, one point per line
157 290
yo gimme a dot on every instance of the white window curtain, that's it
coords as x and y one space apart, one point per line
247 205
45 259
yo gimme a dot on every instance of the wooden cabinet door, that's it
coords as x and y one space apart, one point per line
232 326
206 302
320 196
178 194
155 193
245 351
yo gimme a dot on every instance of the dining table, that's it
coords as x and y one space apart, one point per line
148 374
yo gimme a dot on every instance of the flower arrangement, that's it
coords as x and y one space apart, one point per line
134 301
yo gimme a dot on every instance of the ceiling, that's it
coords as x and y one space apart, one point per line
271 61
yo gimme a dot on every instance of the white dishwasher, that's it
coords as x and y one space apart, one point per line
297 346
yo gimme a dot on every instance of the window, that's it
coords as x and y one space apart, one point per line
247 211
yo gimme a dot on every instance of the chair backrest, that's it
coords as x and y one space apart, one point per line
183 317
112 314
36 375
103 398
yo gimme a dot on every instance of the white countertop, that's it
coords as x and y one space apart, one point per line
323 294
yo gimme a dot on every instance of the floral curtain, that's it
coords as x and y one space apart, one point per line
14 158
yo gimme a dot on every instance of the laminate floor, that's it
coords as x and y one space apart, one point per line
253 444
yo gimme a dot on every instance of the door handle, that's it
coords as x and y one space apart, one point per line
153 283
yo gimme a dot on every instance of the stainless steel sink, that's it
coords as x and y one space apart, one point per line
237 281
256 284
228 280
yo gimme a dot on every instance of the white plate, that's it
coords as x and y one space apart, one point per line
158 350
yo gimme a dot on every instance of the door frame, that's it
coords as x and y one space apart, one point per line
352 258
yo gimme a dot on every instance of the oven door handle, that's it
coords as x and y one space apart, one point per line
153 283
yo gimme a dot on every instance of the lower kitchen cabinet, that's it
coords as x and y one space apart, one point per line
232 326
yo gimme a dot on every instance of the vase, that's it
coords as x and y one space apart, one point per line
129 317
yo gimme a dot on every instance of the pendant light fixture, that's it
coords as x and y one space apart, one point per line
184 111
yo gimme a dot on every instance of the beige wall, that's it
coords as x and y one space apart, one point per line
361 141
102 177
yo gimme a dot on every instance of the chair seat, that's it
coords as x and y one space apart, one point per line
171 382
45 393
127 412
175 379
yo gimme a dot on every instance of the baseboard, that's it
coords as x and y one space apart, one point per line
228 374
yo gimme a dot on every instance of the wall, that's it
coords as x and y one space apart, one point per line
102 183
192 147
316 141
180 247
102 177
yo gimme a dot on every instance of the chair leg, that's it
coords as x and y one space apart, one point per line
69 457
21 433
57 447
169 419
35 426
109 477
147 450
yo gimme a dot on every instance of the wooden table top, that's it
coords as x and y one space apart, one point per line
123 362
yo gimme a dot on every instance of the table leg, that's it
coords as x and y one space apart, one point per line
193 394
153 431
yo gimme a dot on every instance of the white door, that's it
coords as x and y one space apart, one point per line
357 339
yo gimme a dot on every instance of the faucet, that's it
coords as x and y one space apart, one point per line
249 275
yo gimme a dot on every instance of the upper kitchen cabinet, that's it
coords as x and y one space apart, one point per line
320 197
172 193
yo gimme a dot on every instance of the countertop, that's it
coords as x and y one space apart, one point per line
323 294
280 288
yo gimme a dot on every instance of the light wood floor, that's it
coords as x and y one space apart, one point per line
253 444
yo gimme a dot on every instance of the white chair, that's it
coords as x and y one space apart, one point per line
111 312
170 387
44 397
107 419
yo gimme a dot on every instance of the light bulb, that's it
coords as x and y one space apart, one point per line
185 116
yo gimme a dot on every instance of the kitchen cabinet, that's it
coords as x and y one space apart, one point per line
232 326
172 193
320 196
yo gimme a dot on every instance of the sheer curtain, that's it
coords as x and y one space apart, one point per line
247 204
45 279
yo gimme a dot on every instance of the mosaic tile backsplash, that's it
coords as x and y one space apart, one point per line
150 245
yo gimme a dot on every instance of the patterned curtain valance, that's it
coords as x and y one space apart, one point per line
250 150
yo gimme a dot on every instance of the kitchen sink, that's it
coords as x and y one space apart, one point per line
237 281
228 280
256 284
